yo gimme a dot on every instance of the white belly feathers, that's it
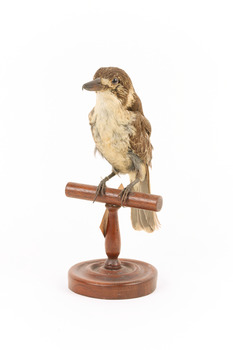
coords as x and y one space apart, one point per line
111 130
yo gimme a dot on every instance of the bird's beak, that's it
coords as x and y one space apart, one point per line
94 85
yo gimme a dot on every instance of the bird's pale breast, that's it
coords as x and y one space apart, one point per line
111 127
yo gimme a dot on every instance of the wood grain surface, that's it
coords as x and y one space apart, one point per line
135 199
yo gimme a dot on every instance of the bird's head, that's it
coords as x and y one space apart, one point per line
115 81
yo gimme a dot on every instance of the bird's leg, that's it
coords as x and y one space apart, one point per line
126 191
102 185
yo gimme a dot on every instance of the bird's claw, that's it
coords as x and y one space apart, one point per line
100 190
124 194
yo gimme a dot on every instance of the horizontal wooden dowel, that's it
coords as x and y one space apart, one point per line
135 199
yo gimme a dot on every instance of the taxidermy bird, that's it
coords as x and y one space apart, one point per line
122 136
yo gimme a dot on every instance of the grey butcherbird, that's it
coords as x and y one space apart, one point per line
122 135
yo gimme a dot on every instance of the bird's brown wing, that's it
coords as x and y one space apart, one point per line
140 140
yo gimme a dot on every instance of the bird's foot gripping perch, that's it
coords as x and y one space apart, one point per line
124 194
100 189
102 185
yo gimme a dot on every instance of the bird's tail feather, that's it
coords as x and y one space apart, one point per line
146 220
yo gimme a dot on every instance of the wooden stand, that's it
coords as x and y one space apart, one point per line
112 278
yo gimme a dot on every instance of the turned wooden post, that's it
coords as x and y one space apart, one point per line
112 239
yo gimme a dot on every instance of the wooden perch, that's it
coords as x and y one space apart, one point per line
113 278
111 196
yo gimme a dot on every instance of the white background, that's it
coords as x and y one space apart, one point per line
179 56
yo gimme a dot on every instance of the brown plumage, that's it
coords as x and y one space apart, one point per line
122 135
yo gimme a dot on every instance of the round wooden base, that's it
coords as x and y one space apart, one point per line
133 279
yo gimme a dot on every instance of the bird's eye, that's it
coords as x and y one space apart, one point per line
115 80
